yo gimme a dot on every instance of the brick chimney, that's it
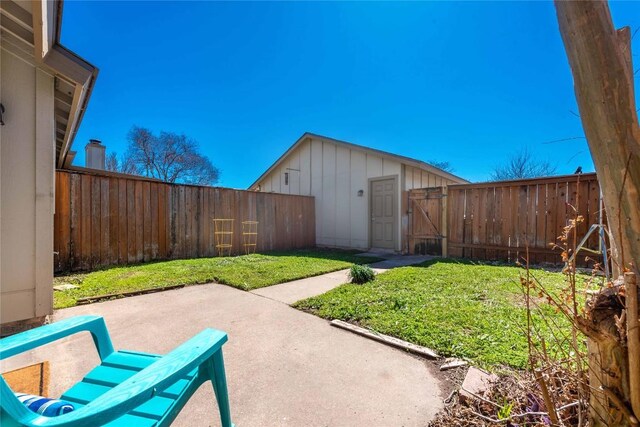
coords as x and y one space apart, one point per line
94 154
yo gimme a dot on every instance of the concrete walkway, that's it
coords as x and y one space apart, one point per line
297 290
284 367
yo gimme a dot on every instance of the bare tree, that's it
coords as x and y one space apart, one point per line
442 164
170 157
112 164
522 165
122 165
600 59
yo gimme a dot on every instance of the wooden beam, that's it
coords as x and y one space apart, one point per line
386 339
504 248
444 221
527 181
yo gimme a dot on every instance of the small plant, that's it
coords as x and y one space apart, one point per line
361 274
505 411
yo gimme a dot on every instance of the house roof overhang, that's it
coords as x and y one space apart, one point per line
384 154
31 31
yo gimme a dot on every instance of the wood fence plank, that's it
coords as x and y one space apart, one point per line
193 222
532 220
521 236
455 214
594 211
104 221
168 191
174 219
113 221
146 222
85 222
551 232
212 214
260 217
162 221
188 222
477 225
123 226
64 219
561 208
583 208
572 209
203 233
197 221
540 214
468 222
514 212
506 225
153 196
181 218
75 248
139 215
96 219
132 231
490 216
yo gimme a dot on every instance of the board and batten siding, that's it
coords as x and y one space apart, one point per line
334 174
419 178
26 189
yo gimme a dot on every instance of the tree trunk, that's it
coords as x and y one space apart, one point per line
600 59
608 361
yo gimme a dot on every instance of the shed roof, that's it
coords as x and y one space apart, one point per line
385 154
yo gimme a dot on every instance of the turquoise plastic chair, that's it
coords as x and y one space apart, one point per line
127 388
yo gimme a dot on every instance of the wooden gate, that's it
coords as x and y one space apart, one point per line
427 221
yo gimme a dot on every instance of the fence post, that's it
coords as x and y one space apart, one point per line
444 222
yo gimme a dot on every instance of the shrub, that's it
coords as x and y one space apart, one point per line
361 274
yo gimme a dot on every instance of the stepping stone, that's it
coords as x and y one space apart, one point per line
476 382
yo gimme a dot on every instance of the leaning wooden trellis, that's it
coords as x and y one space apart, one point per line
223 232
249 236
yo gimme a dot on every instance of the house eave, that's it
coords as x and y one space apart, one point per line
71 71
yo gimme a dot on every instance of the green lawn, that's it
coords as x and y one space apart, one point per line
458 309
245 272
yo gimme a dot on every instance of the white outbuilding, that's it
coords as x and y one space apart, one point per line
358 190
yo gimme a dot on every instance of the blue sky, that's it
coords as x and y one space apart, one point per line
469 83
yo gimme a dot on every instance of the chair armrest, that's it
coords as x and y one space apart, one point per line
137 389
46 334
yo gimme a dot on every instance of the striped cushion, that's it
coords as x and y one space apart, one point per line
44 405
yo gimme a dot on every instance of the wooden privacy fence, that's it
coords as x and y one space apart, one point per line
107 219
500 220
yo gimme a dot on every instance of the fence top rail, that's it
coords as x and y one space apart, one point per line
528 181
108 174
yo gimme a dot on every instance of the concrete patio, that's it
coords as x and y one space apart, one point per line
284 367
